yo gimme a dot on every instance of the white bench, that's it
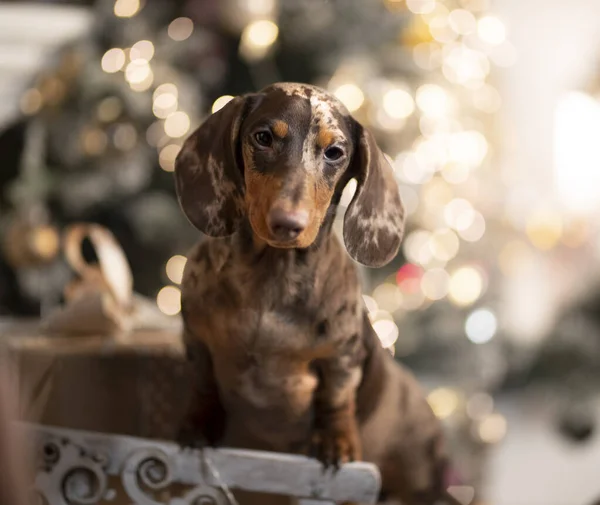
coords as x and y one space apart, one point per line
81 468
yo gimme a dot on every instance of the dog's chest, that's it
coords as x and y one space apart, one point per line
266 367
265 330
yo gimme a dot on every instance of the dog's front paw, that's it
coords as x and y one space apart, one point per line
334 446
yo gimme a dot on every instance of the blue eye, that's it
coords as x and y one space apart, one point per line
333 153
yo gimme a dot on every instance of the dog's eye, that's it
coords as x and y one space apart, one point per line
333 153
264 138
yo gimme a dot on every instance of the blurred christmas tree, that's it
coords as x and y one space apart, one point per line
105 120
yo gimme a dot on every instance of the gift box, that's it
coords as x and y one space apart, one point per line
107 360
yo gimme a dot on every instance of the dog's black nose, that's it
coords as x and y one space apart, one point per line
287 225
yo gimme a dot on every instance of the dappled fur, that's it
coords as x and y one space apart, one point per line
284 354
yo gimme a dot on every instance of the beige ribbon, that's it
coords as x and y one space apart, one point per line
100 300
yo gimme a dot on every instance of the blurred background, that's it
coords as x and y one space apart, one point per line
489 112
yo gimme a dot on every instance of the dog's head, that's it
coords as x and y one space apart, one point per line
281 158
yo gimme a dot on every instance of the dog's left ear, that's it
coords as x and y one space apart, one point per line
208 172
374 221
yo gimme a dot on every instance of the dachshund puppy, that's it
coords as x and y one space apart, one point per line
285 356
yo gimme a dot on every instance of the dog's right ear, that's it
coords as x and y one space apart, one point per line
208 172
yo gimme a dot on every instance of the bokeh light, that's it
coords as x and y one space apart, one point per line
435 283
143 49
420 6
491 30
169 300
416 247
370 304
177 124
137 71
126 8
388 297
180 29
257 38
466 286
221 102
350 95
398 103
458 213
474 230
167 156
443 402
45 241
493 428
433 100
462 21
387 331
544 228
164 104
481 326
174 268
444 244
113 60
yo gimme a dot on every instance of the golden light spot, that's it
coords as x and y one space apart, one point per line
143 49
491 30
167 88
493 428
45 241
398 103
444 244
388 297
164 101
466 286
177 124
387 331
175 267
257 38
544 229
280 128
169 300
167 157
443 402
137 71
126 8
371 304
350 95
113 60
221 102
435 283
143 85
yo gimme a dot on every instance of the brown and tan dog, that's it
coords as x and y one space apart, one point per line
274 320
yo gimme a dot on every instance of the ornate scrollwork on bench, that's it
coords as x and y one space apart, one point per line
82 468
